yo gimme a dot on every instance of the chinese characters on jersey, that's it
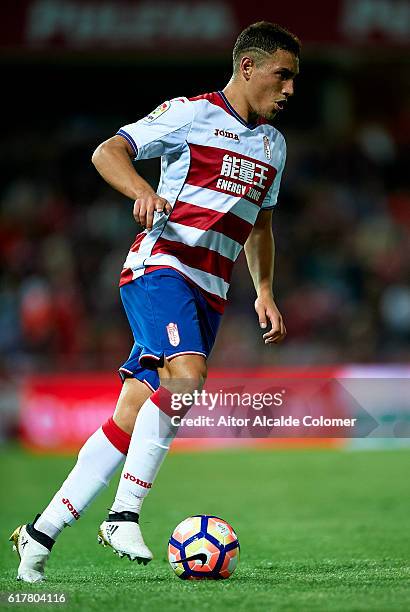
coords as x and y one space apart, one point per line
253 174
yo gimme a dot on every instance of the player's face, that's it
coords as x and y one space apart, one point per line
272 83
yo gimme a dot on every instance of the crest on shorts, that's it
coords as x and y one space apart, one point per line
266 146
173 334
157 112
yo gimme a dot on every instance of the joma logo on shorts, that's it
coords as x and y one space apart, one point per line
142 483
71 508
226 134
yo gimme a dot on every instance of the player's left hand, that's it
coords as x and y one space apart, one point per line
267 311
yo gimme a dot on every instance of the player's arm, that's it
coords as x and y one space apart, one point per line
113 160
260 257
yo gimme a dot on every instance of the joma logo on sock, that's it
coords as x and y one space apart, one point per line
142 483
71 508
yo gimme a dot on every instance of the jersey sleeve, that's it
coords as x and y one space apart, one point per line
161 132
271 197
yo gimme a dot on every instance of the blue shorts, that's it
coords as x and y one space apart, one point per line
168 317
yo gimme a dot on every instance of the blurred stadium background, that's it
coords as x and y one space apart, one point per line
74 72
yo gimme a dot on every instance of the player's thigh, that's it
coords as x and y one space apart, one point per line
162 309
133 394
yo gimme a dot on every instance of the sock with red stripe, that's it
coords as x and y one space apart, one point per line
150 441
97 461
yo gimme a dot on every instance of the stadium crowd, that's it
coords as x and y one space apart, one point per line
342 266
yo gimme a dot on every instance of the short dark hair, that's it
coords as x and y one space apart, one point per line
265 37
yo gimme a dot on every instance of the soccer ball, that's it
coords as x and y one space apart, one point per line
203 547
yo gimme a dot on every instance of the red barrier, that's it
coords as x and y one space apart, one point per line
261 407
58 413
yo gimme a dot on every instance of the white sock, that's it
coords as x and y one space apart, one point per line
97 461
150 442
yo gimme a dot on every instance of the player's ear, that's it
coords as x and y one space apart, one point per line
247 66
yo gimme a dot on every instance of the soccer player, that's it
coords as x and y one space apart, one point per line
221 166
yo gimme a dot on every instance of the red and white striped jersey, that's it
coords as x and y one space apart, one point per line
217 172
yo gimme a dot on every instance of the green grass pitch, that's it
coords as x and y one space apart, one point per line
320 530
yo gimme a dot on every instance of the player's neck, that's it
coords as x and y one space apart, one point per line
237 100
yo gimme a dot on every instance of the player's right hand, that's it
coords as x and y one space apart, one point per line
145 206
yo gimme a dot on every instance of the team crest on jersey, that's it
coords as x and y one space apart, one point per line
266 146
157 112
173 334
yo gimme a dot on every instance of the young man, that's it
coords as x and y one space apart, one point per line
221 165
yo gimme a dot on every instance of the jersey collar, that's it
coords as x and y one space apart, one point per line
233 112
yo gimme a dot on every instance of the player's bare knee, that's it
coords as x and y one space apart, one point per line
184 374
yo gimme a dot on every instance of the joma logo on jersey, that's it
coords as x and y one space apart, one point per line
226 134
